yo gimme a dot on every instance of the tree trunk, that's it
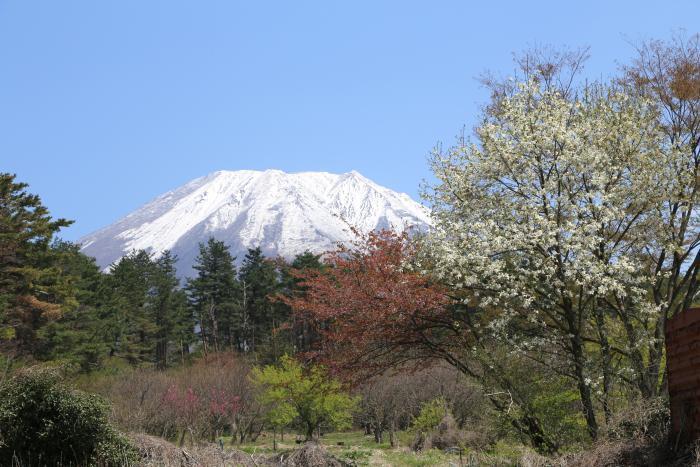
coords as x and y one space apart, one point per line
161 354
533 430
635 356
584 389
392 433
378 433
528 424
214 326
234 433
573 321
310 429
607 362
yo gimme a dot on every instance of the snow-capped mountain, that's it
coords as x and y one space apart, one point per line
283 213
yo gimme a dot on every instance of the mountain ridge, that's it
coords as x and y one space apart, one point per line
283 213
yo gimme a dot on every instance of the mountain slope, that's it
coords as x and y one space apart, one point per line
282 213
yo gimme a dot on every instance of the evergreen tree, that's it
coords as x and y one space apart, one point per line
31 289
167 305
127 321
56 304
213 297
301 333
78 336
306 260
259 282
145 314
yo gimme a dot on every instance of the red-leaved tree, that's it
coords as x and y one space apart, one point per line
369 309
186 407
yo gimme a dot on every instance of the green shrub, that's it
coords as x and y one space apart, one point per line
43 422
431 413
555 404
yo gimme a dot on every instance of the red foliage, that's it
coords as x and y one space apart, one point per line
369 309
185 405
222 403
188 406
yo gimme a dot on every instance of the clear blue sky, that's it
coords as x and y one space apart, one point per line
106 104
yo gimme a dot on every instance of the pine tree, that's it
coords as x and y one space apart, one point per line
125 311
167 306
260 282
78 336
145 314
300 334
31 290
306 261
213 297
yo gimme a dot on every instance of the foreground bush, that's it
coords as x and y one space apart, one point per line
43 422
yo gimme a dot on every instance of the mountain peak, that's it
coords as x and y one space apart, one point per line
283 213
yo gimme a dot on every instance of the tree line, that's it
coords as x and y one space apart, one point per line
56 304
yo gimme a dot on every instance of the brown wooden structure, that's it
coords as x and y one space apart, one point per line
683 366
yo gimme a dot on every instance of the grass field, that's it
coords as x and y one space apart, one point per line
359 449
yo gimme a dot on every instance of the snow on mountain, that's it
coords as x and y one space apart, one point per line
283 213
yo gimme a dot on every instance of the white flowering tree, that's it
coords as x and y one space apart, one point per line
550 226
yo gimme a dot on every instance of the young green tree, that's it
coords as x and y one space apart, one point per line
279 415
431 413
213 297
305 395
32 291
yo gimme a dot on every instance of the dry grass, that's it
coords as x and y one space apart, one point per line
310 455
157 452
